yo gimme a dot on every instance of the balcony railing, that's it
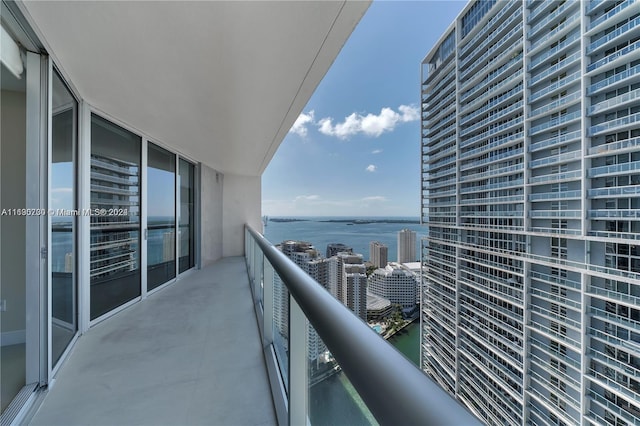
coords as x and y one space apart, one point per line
392 388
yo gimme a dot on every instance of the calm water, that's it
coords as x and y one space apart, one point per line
335 401
319 232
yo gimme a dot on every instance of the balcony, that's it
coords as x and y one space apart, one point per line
176 358
195 354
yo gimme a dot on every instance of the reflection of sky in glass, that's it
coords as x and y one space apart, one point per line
160 193
61 186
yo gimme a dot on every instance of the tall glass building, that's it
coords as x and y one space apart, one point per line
530 173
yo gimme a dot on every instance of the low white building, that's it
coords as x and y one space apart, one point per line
395 282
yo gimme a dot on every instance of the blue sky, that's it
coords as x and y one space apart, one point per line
355 149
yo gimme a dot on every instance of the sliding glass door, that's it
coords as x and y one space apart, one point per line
161 216
62 205
186 183
115 216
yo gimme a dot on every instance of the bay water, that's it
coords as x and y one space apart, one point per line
334 401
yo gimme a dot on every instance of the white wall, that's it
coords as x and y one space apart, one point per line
211 202
242 199
13 228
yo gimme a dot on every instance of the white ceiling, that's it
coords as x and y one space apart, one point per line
220 81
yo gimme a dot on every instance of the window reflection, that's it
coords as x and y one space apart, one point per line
186 231
115 216
161 216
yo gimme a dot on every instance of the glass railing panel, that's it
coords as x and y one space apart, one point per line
555 32
555 86
555 213
554 159
630 190
556 104
555 122
614 102
614 124
554 68
612 35
332 398
575 174
550 18
562 139
555 195
617 78
554 51
610 14
280 323
614 169
613 56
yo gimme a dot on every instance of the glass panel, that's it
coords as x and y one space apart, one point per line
332 398
161 216
280 324
186 232
115 219
62 200
13 230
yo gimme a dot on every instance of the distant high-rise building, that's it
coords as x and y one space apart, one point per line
335 248
168 246
396 283
407 246
378 254
530 188
354 284
346 272
309 260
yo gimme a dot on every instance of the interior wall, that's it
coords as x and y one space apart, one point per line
12 195
211 227
242 200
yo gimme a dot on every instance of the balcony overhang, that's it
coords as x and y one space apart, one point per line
219 81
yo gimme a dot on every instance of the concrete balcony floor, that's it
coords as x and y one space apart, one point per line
188 354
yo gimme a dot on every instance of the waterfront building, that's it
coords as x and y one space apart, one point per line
335 248
378 308
530 173
407 246
395 282
378 254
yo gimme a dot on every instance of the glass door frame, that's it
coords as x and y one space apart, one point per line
144 213
36 236
78 255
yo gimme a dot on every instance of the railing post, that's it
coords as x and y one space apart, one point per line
298 366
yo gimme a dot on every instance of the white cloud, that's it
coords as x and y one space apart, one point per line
307 198
300 125
371 124
371 168
376 151
374 198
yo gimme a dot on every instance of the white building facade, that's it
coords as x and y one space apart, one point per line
530 159
396 283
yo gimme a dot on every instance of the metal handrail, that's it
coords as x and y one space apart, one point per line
393 389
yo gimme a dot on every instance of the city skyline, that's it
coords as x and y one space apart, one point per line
354 150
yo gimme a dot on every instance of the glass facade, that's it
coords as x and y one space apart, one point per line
529 194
